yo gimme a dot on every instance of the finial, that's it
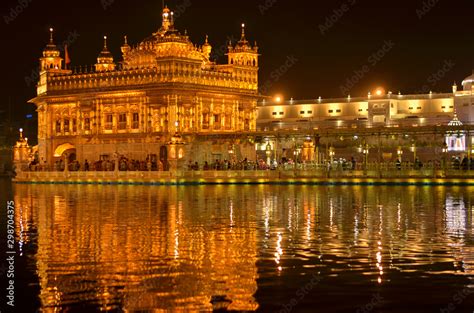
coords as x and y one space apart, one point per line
51 31
185 32
243 30
105 42
126 39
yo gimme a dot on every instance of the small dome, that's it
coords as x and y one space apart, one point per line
468 82
105 56
51 50
455 121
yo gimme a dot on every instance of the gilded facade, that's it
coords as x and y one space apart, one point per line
164 85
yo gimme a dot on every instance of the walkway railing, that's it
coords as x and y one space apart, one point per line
297 172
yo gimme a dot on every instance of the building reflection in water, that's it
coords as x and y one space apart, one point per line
140 248
199 248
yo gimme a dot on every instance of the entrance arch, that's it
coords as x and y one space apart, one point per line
67 149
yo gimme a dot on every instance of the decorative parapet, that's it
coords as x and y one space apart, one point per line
140 77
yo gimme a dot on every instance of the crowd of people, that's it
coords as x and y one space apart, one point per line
125 164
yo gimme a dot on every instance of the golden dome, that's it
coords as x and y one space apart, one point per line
105 56
51 50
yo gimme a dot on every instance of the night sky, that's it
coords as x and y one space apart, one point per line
309 48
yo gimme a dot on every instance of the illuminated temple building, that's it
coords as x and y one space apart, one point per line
167 100
165 84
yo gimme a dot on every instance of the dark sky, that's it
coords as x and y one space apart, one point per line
413 46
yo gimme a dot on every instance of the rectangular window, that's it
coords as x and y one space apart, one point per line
135 121
74 125
122 121
217 121
360 110
410 108
66 126
331 111
338 111
109 118
418 108
301 112
205 121
274 113
310 112
443 107
281 113
58 126
87 124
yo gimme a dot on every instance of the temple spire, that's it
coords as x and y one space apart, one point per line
105 42
51 39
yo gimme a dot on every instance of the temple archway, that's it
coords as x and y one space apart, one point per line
66 149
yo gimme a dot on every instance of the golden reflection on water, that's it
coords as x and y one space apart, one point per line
192 248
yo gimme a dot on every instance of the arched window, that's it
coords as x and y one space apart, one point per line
66 126
87 123
135 120
58 126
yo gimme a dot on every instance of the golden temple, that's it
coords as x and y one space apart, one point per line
165 84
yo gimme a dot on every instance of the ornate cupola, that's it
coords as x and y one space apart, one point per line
105 61
468 83
243 54
167 22
207 48
51 59
126 47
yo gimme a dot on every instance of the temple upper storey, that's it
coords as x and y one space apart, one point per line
167 56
